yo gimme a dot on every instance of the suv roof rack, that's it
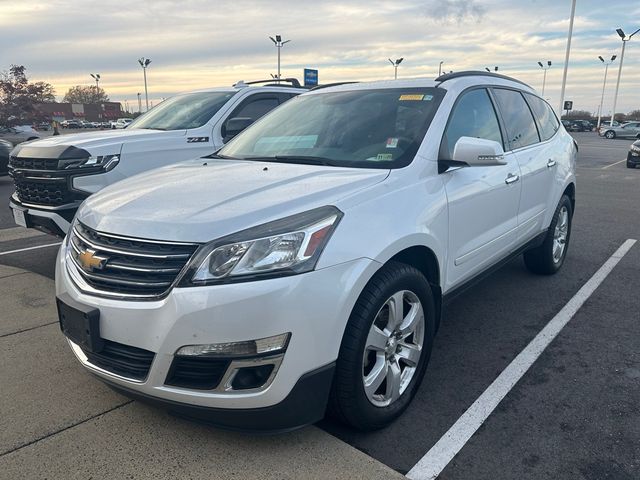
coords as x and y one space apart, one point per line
476 73
335 84
271 83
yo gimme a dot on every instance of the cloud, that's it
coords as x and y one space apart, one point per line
455 11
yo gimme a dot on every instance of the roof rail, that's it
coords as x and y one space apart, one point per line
272 81
476 73
335 84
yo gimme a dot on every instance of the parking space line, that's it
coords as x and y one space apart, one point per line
30 248
439 456
611 165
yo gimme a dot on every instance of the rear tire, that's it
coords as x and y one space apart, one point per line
548 258
378 351
610 134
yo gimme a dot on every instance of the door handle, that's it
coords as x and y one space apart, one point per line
511 178
551 163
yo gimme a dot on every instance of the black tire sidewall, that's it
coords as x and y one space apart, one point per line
392 278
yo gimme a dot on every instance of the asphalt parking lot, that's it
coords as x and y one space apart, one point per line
574 414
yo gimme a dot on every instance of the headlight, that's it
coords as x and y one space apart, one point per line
635 148
285 247
107 162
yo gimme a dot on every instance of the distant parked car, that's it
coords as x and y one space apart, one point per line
583 125
95 124
626 130
105 124
70 124
5 149
44 126
123 122
17 135
570 126
633 157
85 124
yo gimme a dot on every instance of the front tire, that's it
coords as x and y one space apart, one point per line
385 348
548 258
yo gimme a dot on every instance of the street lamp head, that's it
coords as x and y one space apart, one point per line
147 62
496 69
399 60
621 33
487 69
141 61
601 59
549 63
540 63
613 57
391 62
278 38
286 41
273 40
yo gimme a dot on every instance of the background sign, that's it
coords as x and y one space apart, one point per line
310 77
568 105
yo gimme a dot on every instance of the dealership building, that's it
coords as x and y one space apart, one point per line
92 112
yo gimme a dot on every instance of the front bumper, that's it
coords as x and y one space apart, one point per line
633 158
52 220
314 307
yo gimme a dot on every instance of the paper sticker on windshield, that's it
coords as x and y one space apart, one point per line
392 142
384 156
411 96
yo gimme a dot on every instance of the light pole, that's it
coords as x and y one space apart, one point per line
544 79
139 103
278 42
625 39
566 57
604 83
440 68
144 63
395 66
96 77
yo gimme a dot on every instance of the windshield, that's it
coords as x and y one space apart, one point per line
380 128
191 110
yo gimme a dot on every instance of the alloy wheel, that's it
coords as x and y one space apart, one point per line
393 348
560 235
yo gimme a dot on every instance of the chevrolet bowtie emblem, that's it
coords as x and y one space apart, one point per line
89 261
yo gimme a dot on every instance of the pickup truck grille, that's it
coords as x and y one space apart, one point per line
41 181
117 266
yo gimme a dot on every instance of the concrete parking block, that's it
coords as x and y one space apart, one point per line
141 442
43 389
27 300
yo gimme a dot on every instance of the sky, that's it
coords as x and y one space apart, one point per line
197 44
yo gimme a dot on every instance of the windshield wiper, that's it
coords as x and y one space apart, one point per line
303 159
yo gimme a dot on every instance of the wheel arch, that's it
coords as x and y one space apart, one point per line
570 191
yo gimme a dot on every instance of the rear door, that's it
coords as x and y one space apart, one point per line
483 201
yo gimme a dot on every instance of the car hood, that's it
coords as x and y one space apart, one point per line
199 201
98 140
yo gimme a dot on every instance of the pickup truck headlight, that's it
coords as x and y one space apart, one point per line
107 162
288 246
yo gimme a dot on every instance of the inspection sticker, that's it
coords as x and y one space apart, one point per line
411 96
392 142
428 98
384 156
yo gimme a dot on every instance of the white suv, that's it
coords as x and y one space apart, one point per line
306 263
54 175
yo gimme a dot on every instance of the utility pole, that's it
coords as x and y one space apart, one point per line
278 42
139 103
604 84
144 63
544 79
625 39
395 66
566 58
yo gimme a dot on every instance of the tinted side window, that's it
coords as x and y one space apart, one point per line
547 121
518 121
472 116
254 109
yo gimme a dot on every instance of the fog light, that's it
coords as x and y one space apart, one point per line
251 377
261 346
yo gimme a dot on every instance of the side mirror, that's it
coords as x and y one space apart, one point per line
234 126
478 152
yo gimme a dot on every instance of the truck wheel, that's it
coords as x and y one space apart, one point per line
549 257
385 348
610 134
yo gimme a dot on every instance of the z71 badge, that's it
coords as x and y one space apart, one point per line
197 139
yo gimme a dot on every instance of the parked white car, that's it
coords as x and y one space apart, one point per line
306 263
122 123
54 175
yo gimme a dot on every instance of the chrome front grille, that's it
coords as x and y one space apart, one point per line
118 266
